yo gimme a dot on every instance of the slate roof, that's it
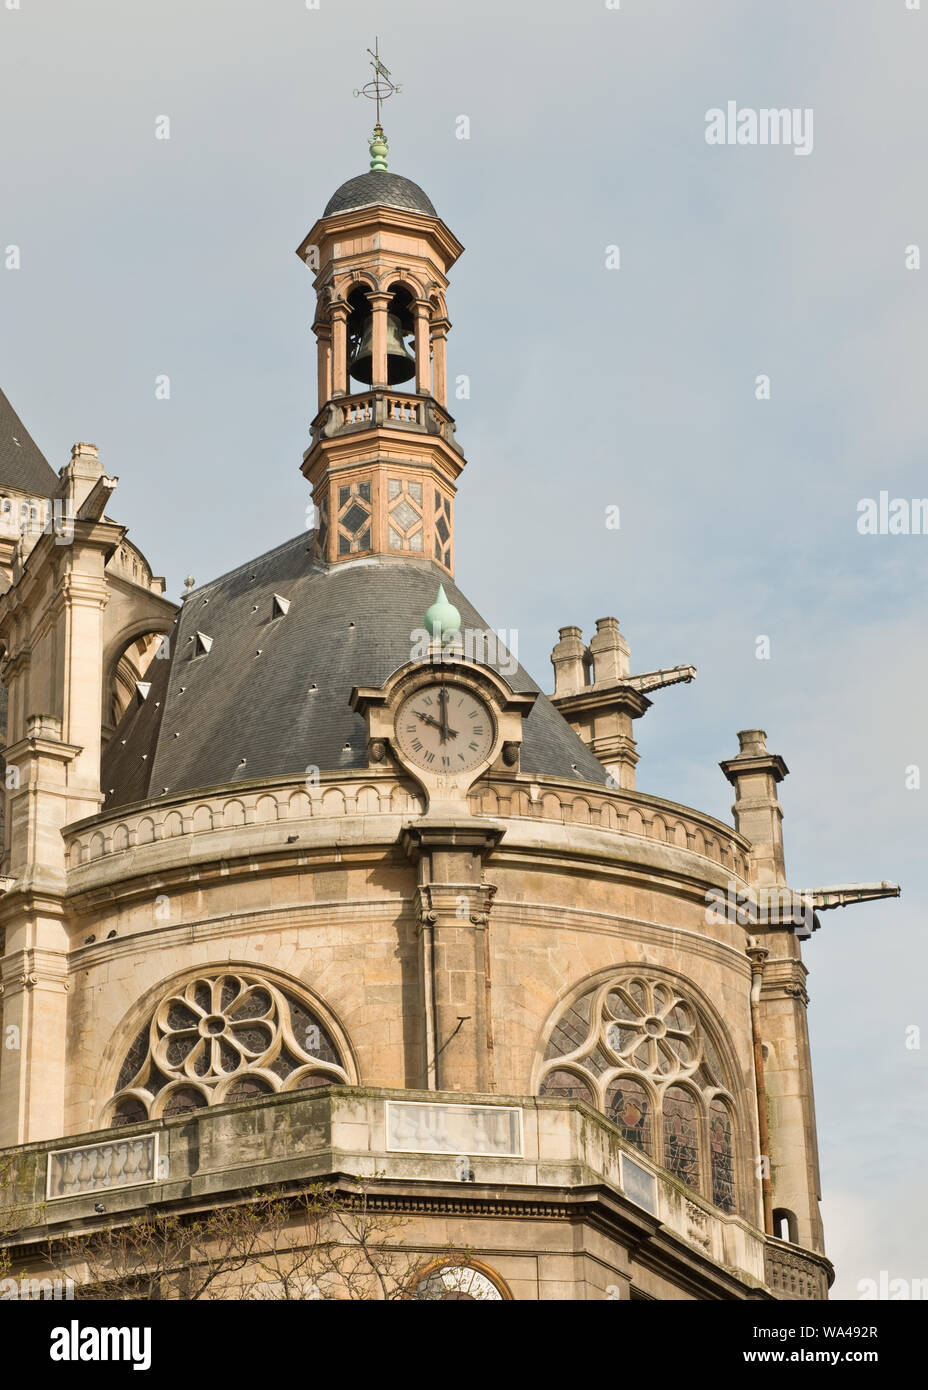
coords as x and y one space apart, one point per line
288 709
379 186
23 466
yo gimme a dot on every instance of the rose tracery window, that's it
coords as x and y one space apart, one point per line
456 1282
639 1049
226 1037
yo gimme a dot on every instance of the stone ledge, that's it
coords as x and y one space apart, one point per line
571 1161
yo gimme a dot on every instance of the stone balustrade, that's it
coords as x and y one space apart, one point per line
628 813
384 409
117 1162
793 1273
383 793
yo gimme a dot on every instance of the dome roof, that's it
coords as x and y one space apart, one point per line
379 186
240 715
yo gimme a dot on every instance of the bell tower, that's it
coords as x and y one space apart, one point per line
383 461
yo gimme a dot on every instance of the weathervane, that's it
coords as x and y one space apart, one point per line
378 89
382 86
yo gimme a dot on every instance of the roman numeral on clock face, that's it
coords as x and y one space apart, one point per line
444 728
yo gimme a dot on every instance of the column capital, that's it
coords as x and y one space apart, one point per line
456 904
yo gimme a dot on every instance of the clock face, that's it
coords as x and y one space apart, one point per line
444 728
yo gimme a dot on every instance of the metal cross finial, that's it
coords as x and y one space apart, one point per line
382 85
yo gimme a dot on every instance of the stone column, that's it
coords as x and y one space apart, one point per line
339 349
453 908
423 360
439 363
324 361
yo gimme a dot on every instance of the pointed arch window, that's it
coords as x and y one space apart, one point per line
640 1049
680 1111
720 1153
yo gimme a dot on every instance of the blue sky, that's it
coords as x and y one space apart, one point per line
589 387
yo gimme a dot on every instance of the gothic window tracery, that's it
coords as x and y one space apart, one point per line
639 1049
225 1037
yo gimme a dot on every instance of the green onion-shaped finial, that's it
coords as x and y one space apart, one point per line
379 148
442 617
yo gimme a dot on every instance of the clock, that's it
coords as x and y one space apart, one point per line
444 728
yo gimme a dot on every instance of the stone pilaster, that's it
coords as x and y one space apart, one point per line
453 909
33 1068
51 626
794 1167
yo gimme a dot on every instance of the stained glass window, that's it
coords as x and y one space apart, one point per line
128 1112
182 1100
572 1029
681 1135
566 1085
628 1107
642 1024
723 1178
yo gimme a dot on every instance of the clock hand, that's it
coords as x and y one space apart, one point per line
427 719
443 705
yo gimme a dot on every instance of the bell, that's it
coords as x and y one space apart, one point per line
400 365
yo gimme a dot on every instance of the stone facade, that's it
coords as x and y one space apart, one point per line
276 979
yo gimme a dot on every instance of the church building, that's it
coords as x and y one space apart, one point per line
306 880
